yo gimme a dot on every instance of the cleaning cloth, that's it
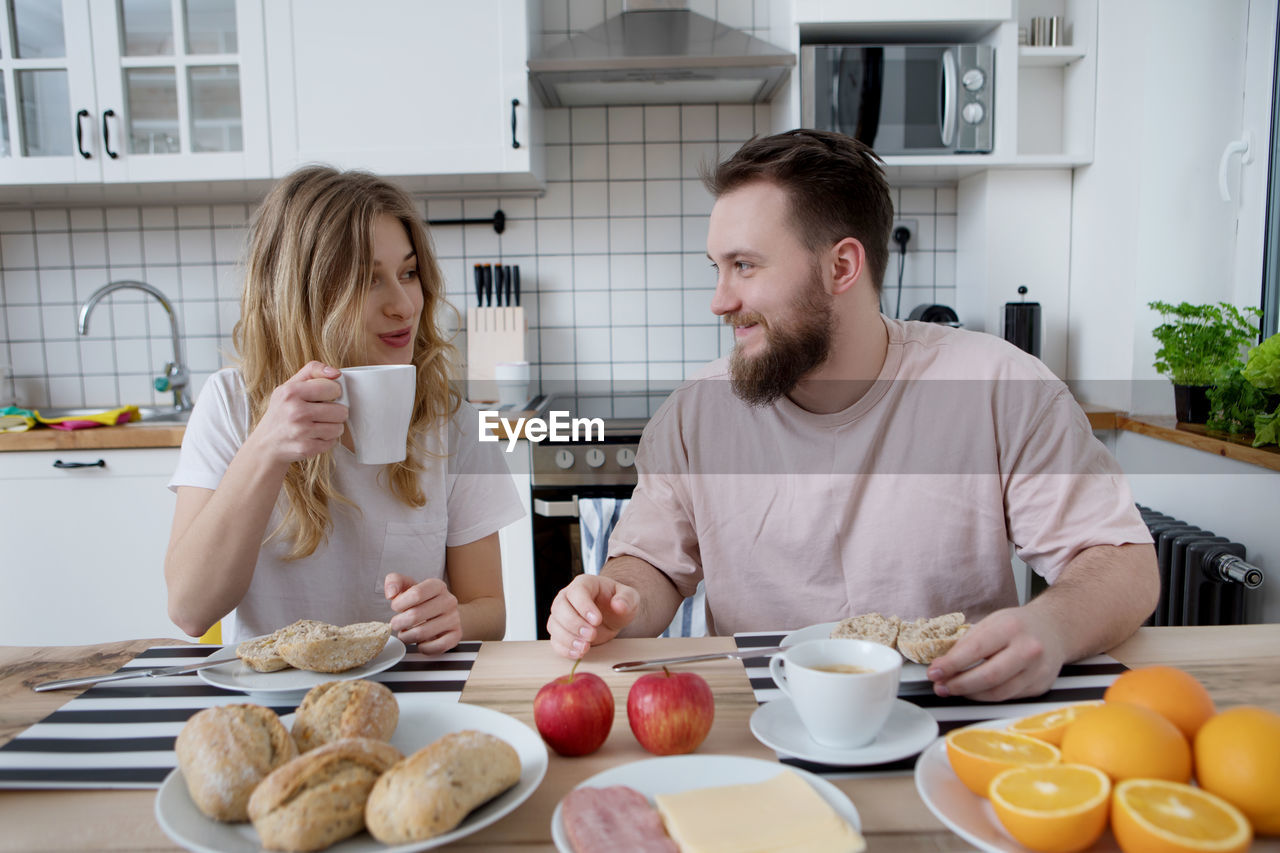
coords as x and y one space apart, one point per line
111 417
13 419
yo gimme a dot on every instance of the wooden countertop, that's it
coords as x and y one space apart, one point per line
125 437
1237 664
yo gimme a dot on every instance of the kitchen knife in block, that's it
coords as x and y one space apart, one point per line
493 335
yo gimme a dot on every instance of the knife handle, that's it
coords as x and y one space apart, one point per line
500 286
479 275
488 285
515 283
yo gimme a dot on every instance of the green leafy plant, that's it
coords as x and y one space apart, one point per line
1262 371
1197 342
1234 402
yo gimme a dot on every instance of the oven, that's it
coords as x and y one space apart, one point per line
565 475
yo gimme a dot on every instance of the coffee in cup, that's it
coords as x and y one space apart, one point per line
379 401
842 689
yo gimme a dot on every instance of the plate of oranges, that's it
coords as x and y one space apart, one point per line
1112 775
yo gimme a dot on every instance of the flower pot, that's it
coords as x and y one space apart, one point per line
1191 403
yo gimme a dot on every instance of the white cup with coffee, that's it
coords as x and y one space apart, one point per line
379 401
842 689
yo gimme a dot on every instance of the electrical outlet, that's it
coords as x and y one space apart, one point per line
911 225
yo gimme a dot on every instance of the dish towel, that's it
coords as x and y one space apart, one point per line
120 734
597 517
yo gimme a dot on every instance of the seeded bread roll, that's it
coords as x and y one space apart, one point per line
260 654
343 709
318 798
225 752
431 791
925 639
328 648
870 626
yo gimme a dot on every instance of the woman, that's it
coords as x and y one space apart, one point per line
274 517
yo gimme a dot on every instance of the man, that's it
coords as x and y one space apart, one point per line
841 462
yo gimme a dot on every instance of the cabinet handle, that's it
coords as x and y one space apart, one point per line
58 463
106 134
80 117
515 102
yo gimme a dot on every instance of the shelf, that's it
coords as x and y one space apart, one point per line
932 169
1198 437
1048 57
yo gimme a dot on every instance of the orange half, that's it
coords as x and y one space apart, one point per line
1158 815
979 755
1061 808
1050 725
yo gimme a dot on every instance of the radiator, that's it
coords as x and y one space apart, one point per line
1204 578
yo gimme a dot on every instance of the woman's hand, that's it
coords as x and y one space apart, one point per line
302 420
426 613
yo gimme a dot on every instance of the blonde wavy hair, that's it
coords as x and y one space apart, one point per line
307 274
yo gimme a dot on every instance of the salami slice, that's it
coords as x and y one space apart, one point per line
604 820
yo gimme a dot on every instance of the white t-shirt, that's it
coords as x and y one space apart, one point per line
905 503
470 494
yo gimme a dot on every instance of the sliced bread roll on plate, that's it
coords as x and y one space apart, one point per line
328 648
923 640
869 626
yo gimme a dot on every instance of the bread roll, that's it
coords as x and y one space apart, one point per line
328 648
431 791
925 639
225 752
260 654
318 798
870 626
343 709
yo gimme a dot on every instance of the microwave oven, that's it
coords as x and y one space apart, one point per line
902 98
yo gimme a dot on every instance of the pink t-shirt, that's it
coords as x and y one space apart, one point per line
905 503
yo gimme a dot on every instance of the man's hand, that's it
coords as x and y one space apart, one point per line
426 613
1012 654
589 611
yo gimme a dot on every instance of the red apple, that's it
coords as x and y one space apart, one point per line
574 713
670 712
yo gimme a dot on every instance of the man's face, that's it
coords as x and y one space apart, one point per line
770 289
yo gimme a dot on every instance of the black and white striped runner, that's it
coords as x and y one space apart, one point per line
1078 682
120 734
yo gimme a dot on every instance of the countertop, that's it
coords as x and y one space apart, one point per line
1236 663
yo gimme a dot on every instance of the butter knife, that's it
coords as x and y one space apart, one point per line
155 672
628 666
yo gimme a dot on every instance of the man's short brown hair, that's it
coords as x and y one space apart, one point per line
836 185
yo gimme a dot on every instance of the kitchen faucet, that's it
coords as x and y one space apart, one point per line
175 372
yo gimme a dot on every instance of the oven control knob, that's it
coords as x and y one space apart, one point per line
626 457
973 113
595 457
564 458
974 79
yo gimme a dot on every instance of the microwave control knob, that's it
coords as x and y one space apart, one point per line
974 79
595 457
626 457
564 458
973 113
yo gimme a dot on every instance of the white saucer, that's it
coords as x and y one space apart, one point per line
909 730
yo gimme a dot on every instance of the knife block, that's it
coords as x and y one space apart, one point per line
493 335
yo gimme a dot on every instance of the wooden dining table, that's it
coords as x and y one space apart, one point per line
1238 664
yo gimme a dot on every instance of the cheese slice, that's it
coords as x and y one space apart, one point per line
781 815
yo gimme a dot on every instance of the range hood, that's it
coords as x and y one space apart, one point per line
654 54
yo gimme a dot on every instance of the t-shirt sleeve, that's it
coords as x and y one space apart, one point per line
657 525
214 433
481 492
1065 492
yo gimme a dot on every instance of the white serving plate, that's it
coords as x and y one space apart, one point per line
236 675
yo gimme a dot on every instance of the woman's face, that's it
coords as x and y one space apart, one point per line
394 302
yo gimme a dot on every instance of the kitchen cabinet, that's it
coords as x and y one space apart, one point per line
84 547
432 90
132 91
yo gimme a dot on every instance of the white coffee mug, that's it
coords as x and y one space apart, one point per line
379 401
840 710
512 378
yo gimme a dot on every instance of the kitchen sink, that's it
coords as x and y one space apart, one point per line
150 414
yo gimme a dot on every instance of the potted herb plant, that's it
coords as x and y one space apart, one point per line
1197 343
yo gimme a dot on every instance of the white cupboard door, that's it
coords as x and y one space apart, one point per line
181 90
406 87
47 98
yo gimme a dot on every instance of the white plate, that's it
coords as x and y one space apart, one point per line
422 720
235 675
964 812
675 773
908 730
910 671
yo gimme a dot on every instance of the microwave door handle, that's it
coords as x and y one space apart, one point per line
947 108
556 509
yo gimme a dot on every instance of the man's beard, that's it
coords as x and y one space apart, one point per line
792 348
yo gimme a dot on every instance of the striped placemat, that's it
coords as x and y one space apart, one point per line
120 734
1077 682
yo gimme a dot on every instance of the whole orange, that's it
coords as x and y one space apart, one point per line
1173 694
1127 741
1238 758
